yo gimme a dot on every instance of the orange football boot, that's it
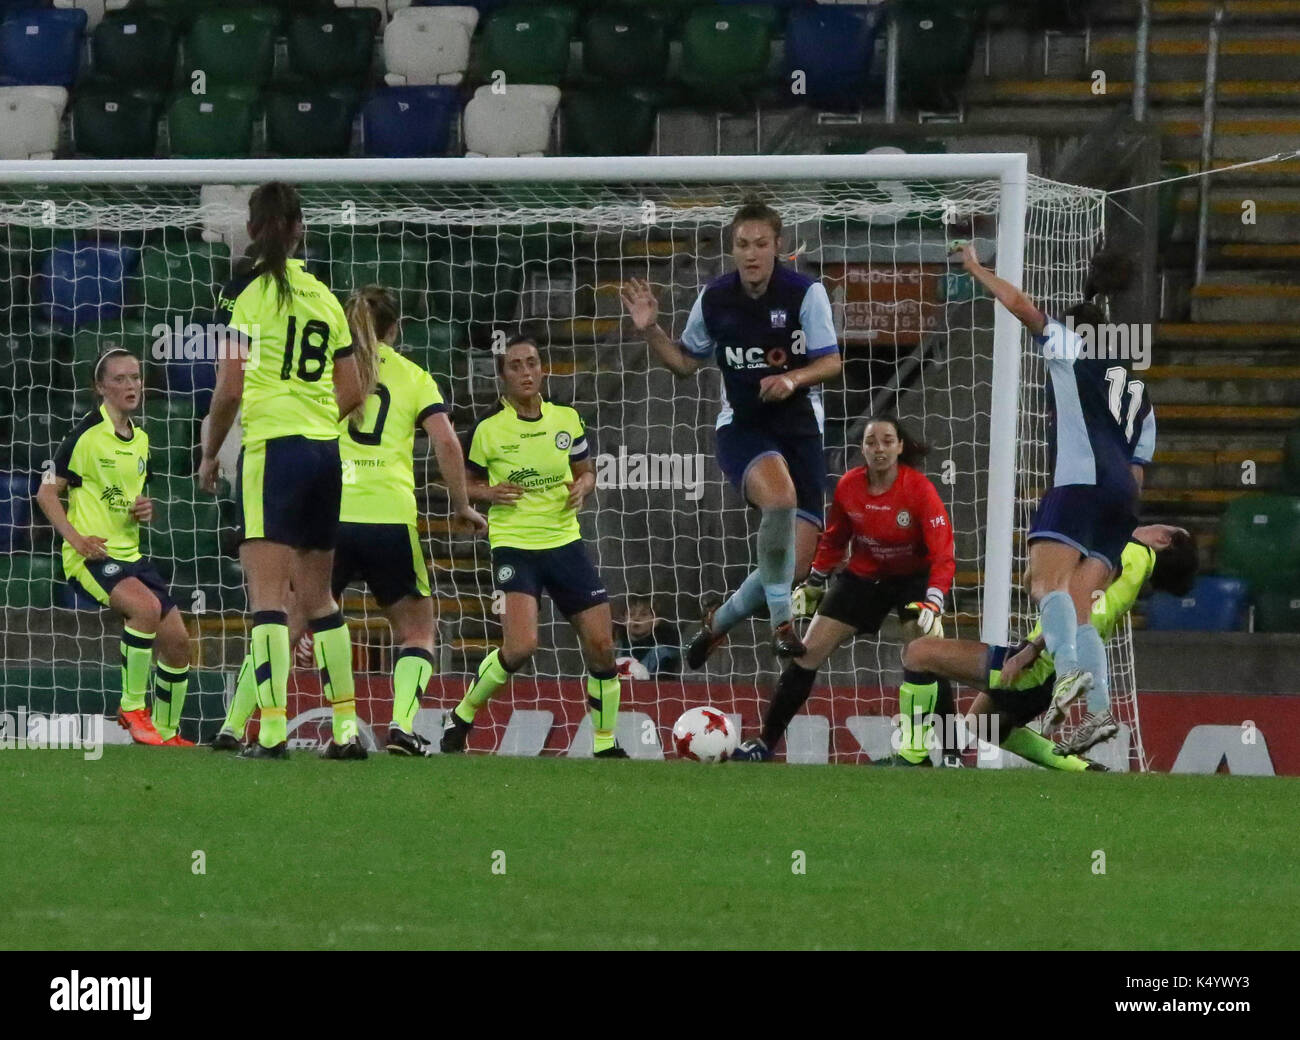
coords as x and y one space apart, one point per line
139 725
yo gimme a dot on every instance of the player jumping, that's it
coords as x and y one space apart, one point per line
770 331
1016 684
1101 432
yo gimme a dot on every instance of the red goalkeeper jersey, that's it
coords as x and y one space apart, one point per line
904 530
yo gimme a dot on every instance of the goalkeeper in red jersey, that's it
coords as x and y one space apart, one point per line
901 559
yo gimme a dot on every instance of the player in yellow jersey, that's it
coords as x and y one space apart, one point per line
529 459
287 367
1016 683
104 466
379 540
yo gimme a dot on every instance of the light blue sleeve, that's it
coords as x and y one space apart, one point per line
696 340
1061 346
817 321
1145 449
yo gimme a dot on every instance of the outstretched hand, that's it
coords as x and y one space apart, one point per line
640 302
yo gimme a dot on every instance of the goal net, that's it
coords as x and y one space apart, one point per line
475 255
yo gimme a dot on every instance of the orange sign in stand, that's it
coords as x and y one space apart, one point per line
884 304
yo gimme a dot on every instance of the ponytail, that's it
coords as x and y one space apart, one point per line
275 220
372 315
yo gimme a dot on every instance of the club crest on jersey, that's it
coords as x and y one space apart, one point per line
139 466
563 440
504 573
904 518
111 569
778 317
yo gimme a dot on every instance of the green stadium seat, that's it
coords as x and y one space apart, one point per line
186 524
936 44
216 125
311 122
476 281
725 54
89 341
233 45
27 579
169 420
135 48
529 45
1291 461
335 46
433 345
1260 541
625 45
398 264
600 121
1278 611
115 123
176 280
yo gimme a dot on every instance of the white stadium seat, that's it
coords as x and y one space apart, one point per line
29 121
515 122
427 45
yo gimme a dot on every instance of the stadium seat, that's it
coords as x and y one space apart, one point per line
725 53
234 46
16 490
176 280
1215 604
96 10
600 121
186 524
135 48
517 122
1291 461
121 123
936 44
527 44
1278 611
27 579
409 121
310 123
380 7
625 45
1260 541
89 341
29 121
84 282
428 45
41 47
42 417
833 47
433 344
216 125
398 264
333 47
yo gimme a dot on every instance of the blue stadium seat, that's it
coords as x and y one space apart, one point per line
41 47
409 121
1215 604
84 282
833 47
16 490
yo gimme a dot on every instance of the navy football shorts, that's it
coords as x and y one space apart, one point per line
1085 517
566 574
289 491
741 445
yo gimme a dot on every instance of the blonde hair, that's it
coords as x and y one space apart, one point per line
372 315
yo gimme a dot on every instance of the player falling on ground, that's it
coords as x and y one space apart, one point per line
1016 684
379 538
1101 433
299 380
104 466
529 459
770 331
901 558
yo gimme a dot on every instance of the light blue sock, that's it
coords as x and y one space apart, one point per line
1092 658
744 602
776 562
1060 627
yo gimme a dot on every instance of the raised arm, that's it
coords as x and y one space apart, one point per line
643 308
1015 300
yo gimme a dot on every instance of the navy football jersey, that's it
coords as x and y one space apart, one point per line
784 329
1100 419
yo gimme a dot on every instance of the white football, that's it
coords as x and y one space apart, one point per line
706 735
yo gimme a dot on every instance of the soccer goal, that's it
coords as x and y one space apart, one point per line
97 253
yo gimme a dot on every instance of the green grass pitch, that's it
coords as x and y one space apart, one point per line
632 855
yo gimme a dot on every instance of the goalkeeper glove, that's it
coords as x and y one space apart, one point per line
808 596
928 615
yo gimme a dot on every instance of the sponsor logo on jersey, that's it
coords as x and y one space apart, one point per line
504 573
752 357
563 440
904 518
113 497
539 433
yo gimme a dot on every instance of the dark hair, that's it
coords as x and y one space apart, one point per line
274 216
517 338
914 449
754 208
1086 313
1176 565
111 352
1110 271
